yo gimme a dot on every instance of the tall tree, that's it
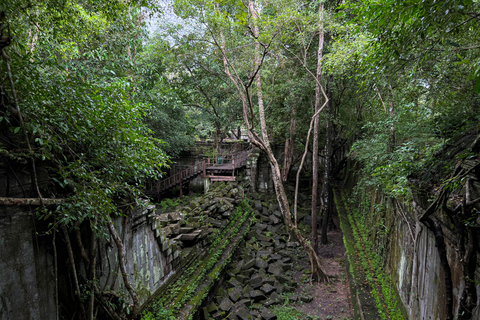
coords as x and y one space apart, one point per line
316 128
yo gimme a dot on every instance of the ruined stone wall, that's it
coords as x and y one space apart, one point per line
27 286
411 258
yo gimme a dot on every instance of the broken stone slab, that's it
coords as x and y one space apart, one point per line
265 211
306 298
189 236
270 302
287 288
292 244
163 220
234 283
260 263
186 229
242 278
265 218
287 260
211 308
276 297
276 256
268 280
235 294
266 244
272 229
175 216
278 214
242 314
249 264
260 226
267 288
261 237
257 296
216 224
263 254
242 302
220 315
256 281
293 297
246 292
226 305
275 269
283 279
274 219
267 314
248 273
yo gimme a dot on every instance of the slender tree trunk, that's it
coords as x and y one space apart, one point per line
73 270
391 138
327 175
289 148
316 129
91 270
123 266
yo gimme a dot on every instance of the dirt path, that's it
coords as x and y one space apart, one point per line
330 300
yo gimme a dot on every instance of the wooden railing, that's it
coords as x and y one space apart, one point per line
177 179
230 162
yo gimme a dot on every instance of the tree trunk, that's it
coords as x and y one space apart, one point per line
123 267
391 138
316 130
327 175
289 148
28 201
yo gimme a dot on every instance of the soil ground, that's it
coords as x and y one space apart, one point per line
330 300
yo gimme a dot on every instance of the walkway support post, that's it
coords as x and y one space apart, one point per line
181 191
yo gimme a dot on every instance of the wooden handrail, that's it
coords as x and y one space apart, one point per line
237 160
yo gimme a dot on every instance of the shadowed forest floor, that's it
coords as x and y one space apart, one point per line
330 300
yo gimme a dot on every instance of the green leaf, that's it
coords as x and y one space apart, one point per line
477 86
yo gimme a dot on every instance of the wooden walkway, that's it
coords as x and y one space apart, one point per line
210 168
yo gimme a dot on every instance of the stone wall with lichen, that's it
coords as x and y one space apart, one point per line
410 256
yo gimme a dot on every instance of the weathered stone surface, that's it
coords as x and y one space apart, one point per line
243 314
265 218
276 256
235 294
287 288
293 298
274 219
226 305
257 296
260 226
242 278
244 302
249 264
260 263
234 283
276 297
306 299
256 281
292 244
220 315
266 244
267 314
275 269
267 288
